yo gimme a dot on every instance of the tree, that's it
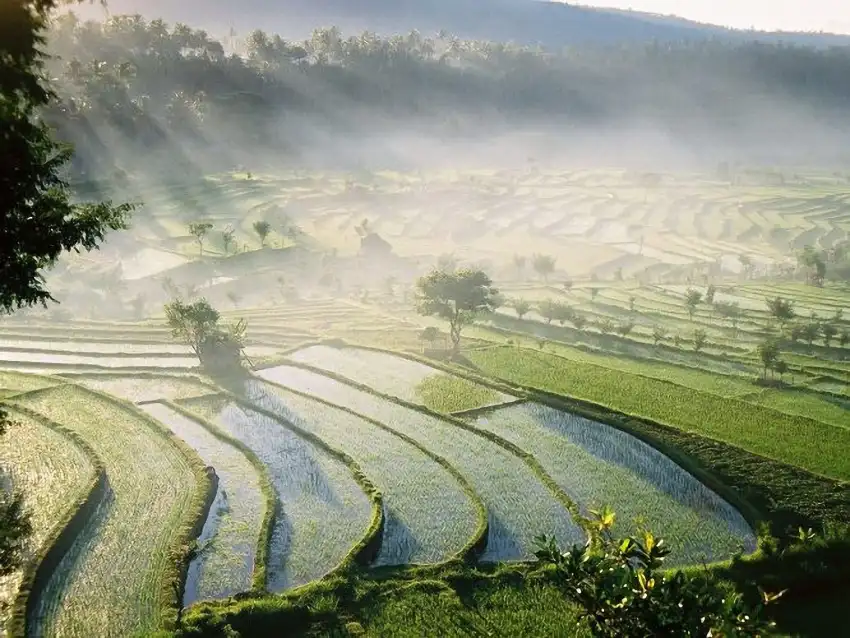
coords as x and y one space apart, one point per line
227 238
844 338
521 307
197 325
563 313
781 309
593 292
746 265
622 591
543 265
548 309
568 285
814 264
782 368
429 335
38 220
579 321
234 297
828 332
625 328
811 332
700 338
606 326
693 298
632 301
710 292
262 228
458 297
199 231
658 334
768 352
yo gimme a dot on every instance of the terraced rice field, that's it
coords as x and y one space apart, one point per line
518 504
100 588
52 472
598 465
323 511
227 548
429 517
402 378
137 389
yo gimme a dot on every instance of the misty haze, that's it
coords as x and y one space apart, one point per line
421 319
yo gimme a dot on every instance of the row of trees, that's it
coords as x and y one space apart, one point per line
262 228
146 82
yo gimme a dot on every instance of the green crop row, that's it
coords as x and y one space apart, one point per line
815 446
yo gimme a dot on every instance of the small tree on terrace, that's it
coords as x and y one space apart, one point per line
262 228
579 321
544 265
658 334
563 313
548 309
693 298
429 335
606 326
227 238
710 292
700 337
199 231
458 297
768 352
828 332
781 368
811 332
625 328
197 325
781 309
521 307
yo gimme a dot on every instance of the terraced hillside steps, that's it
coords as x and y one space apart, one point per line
599 465
113 581
323 512
428 516
54 473
225 560
519 506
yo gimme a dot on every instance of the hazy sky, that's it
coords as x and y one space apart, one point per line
798 15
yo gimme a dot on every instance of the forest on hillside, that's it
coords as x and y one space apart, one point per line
128 84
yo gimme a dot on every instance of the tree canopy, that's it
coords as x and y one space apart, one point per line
457 297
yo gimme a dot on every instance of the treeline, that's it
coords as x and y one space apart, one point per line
147 81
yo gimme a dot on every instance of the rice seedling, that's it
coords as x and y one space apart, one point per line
323 511
519 506
103 587
400 377
598 465
428 517
51 471
227 547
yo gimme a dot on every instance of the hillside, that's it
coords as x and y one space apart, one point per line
523 21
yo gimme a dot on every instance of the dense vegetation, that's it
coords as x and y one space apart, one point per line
129 84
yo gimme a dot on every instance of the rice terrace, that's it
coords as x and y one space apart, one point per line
294 401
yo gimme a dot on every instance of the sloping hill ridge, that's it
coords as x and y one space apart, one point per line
524 21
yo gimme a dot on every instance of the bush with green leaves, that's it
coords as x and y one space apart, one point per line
622 590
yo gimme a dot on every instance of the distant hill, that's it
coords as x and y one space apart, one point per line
552 24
